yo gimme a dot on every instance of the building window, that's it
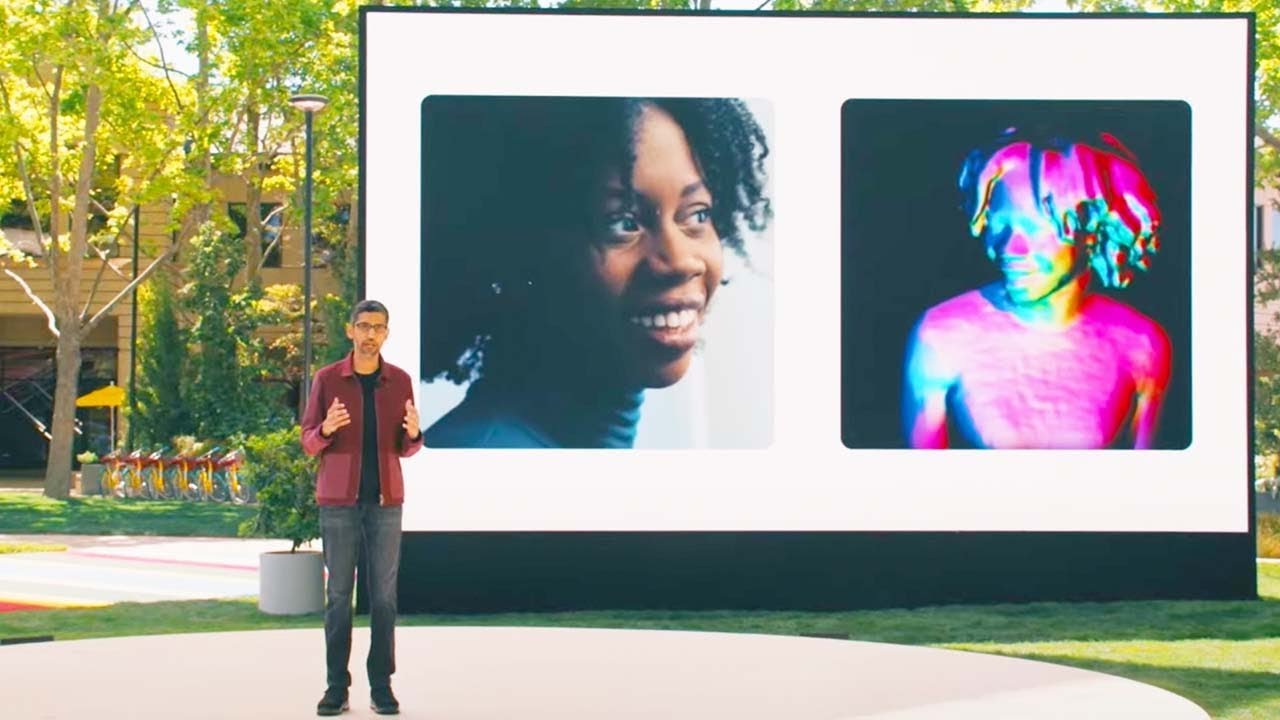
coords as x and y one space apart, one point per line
271 239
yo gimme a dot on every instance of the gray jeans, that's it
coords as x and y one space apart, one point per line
344 529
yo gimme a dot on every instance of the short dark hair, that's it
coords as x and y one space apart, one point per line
1116 212
505 188
368 306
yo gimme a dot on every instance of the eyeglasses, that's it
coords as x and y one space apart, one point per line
367 328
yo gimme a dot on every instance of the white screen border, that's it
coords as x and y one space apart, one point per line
806 67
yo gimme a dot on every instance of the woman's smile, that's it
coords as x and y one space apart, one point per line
674 328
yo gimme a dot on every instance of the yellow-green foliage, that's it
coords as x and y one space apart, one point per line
12 548
1268 535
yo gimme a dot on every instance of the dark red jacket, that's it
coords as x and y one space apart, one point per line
338 480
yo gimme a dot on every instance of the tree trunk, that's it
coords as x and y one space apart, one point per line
67 270
353 218
201 213
253 194
252 233
57 475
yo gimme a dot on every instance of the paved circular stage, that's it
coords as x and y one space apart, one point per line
468 673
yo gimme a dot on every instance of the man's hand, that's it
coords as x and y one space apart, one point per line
410 424
336 419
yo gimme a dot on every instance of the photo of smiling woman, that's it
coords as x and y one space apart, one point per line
1045 303
595 273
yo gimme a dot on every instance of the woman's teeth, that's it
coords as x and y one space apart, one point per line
673 319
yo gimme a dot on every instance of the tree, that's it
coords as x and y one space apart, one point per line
1266 389
1266 360
253 56
244 127
335 310
86 125
161 413
228 360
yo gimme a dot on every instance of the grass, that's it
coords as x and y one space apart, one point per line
9 548
31 513
1225 656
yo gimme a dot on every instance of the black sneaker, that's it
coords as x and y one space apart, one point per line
383 702
334 702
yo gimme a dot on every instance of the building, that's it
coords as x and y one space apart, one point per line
27 372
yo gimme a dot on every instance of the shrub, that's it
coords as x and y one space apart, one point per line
1268 535
161 411
283 478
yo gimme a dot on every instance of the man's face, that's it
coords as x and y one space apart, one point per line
1034 250
368 333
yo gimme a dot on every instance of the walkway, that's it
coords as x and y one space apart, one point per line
101 570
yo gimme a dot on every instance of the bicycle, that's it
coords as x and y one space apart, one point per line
176 468
188 474
152 471
113 479
227 470
202 488
132 483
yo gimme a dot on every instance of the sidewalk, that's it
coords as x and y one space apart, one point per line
102 570
99 570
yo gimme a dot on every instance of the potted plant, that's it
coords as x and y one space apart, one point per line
289 582
91 472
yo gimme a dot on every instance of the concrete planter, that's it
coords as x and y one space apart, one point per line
91 478
291 583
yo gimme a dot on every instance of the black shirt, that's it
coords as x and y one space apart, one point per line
369 479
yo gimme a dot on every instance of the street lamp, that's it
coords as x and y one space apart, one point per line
309 104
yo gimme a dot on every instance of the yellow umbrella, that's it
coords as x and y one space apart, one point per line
111 396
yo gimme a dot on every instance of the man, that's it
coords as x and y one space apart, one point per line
1037 359
361 419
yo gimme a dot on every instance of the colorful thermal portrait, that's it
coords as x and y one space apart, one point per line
1039 358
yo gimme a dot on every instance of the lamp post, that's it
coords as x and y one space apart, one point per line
310 105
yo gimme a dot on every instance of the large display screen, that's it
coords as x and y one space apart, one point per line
752 272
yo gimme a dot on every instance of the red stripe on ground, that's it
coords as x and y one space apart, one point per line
15 607
161 561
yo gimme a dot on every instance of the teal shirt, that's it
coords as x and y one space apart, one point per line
507 417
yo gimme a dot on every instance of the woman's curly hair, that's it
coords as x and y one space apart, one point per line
509 185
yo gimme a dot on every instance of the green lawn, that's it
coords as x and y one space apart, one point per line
1224 656
31 513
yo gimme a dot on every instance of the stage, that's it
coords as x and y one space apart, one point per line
503 673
